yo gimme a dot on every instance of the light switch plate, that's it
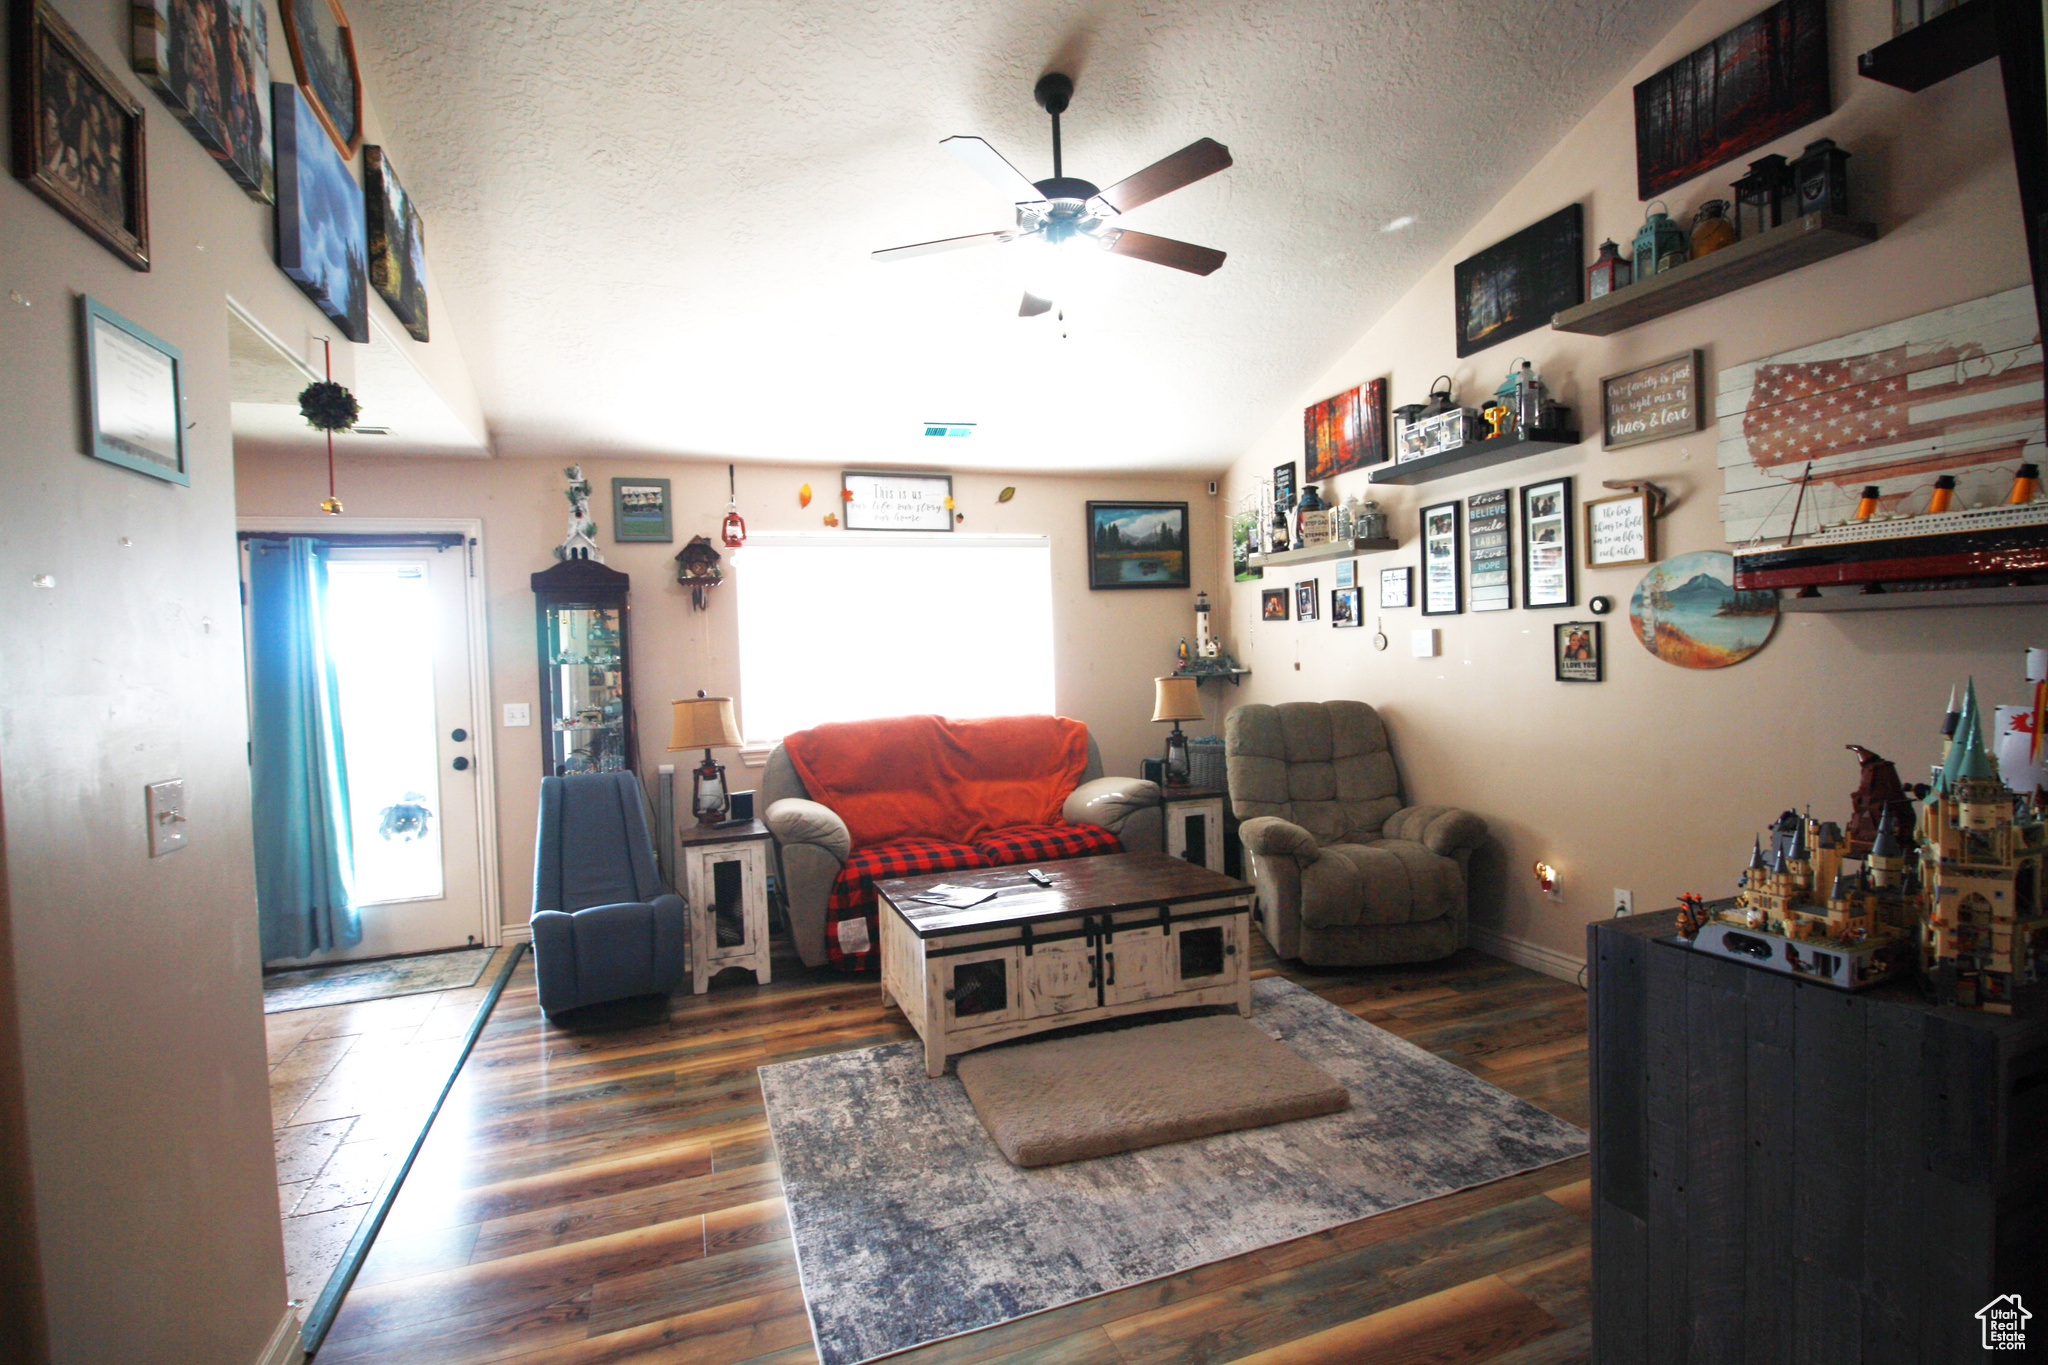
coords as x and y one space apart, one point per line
1422 643
518 713
164 805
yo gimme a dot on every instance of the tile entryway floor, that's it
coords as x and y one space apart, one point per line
349 1088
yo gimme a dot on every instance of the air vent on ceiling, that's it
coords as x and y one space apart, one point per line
370 431
949 428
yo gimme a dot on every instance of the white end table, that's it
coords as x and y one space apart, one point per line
1194 824
725 877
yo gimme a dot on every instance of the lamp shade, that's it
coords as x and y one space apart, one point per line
702 722
1176 699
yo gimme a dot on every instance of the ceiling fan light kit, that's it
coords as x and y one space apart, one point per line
1064 211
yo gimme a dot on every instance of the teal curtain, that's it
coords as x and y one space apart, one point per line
298 779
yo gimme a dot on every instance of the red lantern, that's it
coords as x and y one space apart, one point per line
734 531
1610 272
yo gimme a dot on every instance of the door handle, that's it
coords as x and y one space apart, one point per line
460 764
1110 958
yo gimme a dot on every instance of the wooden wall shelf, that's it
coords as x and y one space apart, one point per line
1316 554
1474 456
1753 260
1941 47
1233 677
1853 599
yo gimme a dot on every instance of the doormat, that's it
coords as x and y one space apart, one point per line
345 983
911 1227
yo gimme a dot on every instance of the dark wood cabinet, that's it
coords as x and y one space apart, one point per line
1784 1172
586 694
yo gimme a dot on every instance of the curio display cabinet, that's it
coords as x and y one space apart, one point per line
586 693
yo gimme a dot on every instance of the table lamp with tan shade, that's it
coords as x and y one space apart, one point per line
1176 699
702 722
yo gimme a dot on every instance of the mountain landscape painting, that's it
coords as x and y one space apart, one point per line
1687 611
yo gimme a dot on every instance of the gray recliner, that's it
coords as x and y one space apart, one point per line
604 927
1347 874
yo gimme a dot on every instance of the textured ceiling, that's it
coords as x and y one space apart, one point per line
651 221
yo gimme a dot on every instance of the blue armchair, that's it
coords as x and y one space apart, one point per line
604 927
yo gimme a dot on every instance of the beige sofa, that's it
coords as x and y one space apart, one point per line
1347 873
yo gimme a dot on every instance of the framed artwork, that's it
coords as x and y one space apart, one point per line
209 60
398 244
1651 402
1273 604
1347 573
1618 531
898 502
640 510
324 64
1687 611
1306 604
1440 546
78 137
133 387
1755 83
1520 282
1344 433
1547 579
1488 575
1579 652
320 233
1283 486
1244 543
1344 608
1397 587
1137 545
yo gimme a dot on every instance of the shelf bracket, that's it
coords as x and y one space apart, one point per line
1660 501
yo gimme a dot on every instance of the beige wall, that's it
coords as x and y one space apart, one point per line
143 1086
1108 646
1656 779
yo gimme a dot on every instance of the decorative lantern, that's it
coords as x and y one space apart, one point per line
1820 178
1311 519
706 723
1764 196
1660 243
1176 699
1372 522
1711 228
1609 272
1439 397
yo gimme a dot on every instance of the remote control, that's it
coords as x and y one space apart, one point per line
1039 877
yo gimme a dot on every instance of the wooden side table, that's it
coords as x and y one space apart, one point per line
1194 824
725 877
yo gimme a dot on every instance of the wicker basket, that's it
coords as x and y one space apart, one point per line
1205 761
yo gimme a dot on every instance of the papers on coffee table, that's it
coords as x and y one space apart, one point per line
954 897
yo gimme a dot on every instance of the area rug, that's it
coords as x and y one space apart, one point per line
911 1227
345 983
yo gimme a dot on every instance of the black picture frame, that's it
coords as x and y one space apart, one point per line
641 511
1276 604
1578 652
1755 83
1283 486
1549 578
1397 588
79 138
1138 545
1520 282
1308 594
1443 549
1346 611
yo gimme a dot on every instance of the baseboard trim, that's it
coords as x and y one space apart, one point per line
1523 953
284 1346
515 933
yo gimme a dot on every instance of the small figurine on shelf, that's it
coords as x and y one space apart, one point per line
581 542
1692 915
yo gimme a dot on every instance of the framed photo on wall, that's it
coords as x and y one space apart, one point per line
1345 608
78 137
640 510
1440 552
1306 593
323 49
1580 656
1618 531
1547 579
209 60
1397 587
1273 603
1137 544
133 388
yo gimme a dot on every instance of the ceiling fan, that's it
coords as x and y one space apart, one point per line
1068 212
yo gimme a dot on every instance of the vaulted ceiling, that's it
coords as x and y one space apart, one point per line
651 220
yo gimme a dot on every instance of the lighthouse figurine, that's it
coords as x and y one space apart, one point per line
1206 645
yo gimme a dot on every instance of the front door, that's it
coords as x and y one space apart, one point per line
399 628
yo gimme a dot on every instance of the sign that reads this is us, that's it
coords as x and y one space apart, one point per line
898 502
1651 403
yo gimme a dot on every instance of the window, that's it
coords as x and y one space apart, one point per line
849 626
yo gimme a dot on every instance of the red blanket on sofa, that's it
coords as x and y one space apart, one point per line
934 778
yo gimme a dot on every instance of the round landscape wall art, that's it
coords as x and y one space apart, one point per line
1687 611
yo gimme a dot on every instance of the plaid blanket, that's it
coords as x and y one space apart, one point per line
851 933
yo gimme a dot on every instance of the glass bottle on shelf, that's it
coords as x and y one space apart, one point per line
586 700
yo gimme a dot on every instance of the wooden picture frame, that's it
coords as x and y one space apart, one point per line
1548 579
1346 611
1397 588
1138 545
1489 551
134 395
1652 402
79 138
1520 282
323 48
1275 604
896 502
641 511
1308 599
1619 531
1578 651
1442 550
209 61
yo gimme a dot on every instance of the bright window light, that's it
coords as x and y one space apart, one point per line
851 627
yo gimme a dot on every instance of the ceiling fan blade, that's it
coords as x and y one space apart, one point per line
1033 306
1184 167
988 163
1196 260
904 253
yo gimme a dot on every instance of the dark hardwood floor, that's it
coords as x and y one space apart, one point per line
609 1194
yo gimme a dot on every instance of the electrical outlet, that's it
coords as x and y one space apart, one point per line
518 713
1624 902
1555 895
